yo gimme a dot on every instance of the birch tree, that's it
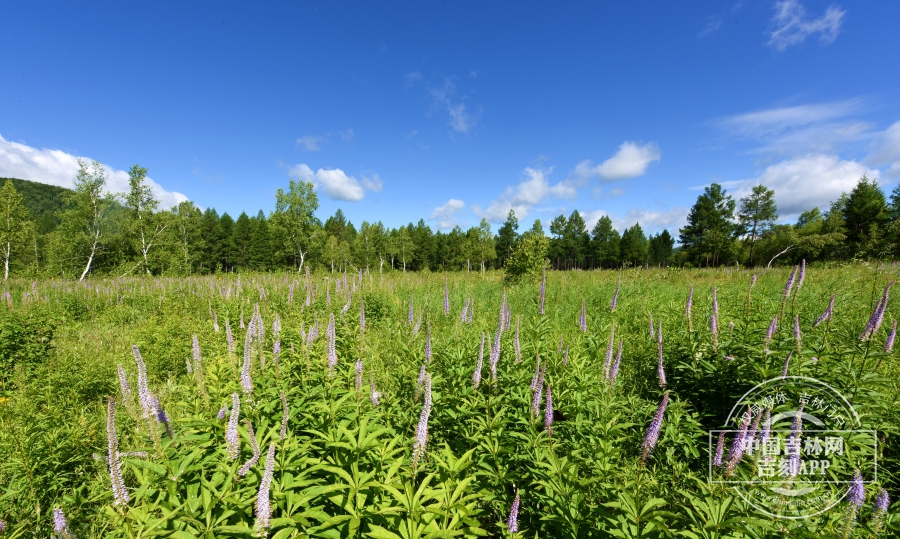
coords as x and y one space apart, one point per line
293 220
84 222
141 206
15 224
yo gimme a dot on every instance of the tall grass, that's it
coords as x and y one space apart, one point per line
347 466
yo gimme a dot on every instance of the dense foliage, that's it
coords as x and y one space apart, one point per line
89 232
327 446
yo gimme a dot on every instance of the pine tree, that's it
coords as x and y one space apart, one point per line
212 241
506 238
758 212
709 229
864 214
261 251
634 245
605 243
242 239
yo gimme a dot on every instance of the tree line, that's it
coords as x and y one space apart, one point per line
91 232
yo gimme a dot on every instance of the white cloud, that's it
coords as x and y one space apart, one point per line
373 183
347 135
56 167
631 160
460 119
445 215
310 142
524 196
888 152
335 183
762 123
651 221
816 128
792 26
412 78
805 182
710 27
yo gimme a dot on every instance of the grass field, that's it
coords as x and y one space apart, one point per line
338 464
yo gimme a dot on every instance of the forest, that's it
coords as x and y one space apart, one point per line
54 232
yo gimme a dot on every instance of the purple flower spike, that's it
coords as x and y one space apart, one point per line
538 393
802 274
512 523
537 372
609 349
857 493
446 297
770 333
797 336
614 371
60 524
720 446
652 435
374 395
410 308
827 314
615 298
421 438
877 316
582 318
476 377
428 343
715 305
359 375
889 343
232 438
794 444
495 354
790 282
660 371
332 354
548 412
689 304
787 362
882 502
120 493
263 503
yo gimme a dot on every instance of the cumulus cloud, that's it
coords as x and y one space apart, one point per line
805 182
791 25
335 183
56 167
630 161
446 214
310 142
521 198
651 221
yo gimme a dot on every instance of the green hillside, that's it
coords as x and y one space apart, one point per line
43 201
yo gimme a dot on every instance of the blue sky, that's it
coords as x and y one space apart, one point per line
455 111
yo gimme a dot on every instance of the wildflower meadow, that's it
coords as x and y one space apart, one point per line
416 405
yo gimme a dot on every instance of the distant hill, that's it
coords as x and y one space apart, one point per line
43 201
